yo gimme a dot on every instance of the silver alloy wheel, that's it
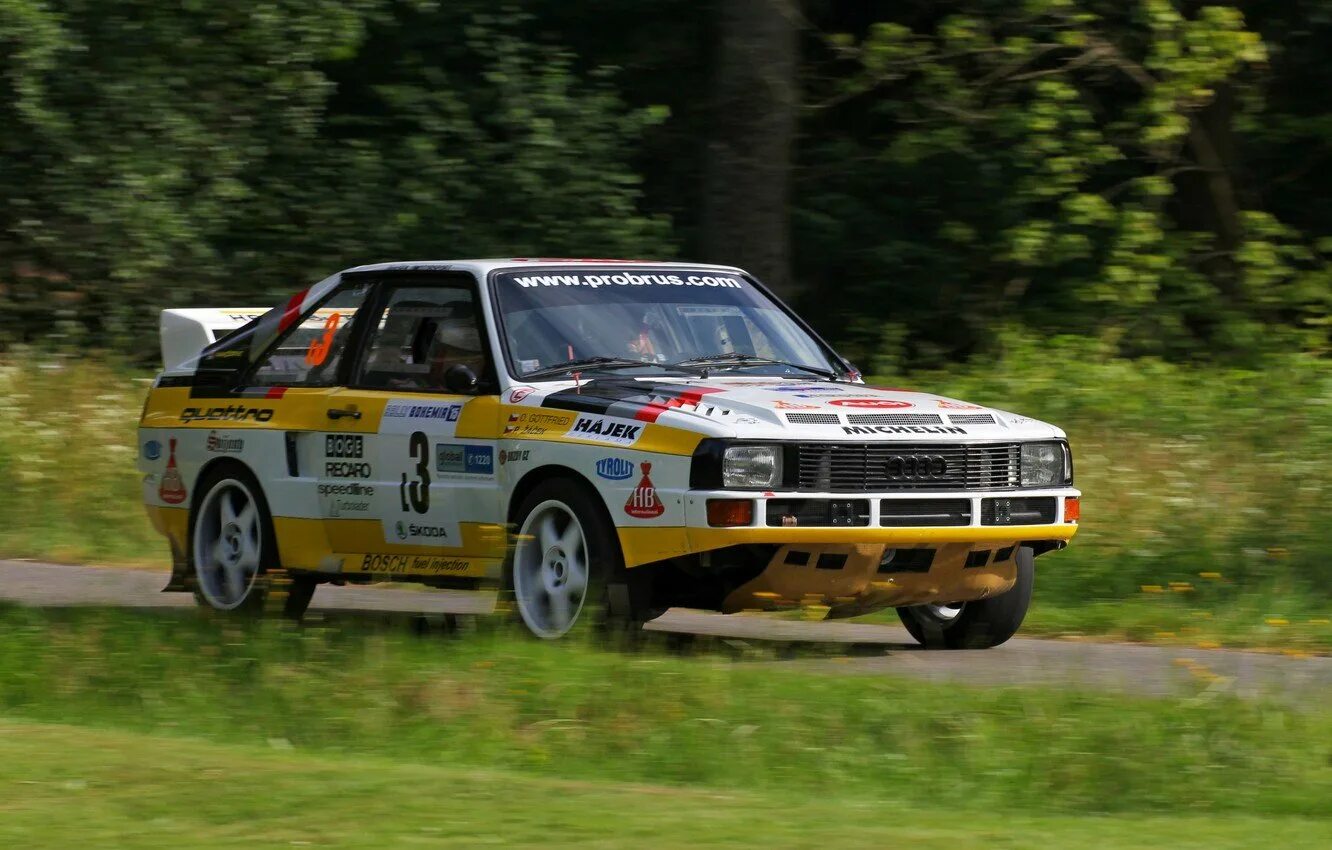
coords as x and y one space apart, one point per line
226 544
550 569
945 613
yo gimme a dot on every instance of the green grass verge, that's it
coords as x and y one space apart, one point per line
576 712
1206 491
67 786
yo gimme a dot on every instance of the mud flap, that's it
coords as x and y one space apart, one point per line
180 581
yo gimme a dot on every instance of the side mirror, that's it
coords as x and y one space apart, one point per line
459 378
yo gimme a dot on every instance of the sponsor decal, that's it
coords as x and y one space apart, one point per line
746 420
615 468
413 531
517 394
351 506
172 487
152 450
708 310
350 489
230 413
958 405
442 410
529 365
643 501
626 279
903 429
344 445
877 403
794 405
349 498
533 424
346 469
819 389
605 429
513 456
464 460
218 444
412 564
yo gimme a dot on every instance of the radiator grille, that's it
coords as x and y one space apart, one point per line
971 418
894 419
814 418
871 467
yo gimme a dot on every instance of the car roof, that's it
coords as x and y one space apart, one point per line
485 266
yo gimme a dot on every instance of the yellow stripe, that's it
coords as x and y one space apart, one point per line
302 543
644 545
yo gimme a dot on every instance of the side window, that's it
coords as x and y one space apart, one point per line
422 332
309 354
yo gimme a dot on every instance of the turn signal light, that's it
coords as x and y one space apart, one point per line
1072 509
724 513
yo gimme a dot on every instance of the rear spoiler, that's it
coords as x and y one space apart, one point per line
185 333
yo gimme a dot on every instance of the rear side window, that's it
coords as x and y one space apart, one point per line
310 353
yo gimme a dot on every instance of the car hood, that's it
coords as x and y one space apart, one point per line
776 408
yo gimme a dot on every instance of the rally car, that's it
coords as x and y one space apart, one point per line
599 439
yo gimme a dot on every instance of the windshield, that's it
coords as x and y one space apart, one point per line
655 317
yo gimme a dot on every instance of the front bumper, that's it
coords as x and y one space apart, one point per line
644 545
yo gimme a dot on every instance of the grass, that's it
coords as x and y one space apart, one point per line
143 791
574 712
1206 491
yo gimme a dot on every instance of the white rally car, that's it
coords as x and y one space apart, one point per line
599 438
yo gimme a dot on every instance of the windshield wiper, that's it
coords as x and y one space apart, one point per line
600 362
737 359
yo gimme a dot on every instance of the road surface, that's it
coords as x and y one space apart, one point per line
842 647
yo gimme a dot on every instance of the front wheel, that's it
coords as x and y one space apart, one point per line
975 625
566 565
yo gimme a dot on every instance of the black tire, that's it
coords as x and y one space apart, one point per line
269 587
980 624
611 602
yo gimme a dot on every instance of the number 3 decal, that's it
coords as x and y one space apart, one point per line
417 491
317 353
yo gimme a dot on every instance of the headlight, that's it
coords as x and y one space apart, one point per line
750 467
1043 465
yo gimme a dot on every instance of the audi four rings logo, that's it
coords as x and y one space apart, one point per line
916 467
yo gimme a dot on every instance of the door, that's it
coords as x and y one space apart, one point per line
414 458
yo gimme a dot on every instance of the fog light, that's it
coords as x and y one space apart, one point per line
1072 509
724 513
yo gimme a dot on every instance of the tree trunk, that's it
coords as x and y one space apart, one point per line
746 206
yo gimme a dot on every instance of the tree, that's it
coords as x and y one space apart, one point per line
753 106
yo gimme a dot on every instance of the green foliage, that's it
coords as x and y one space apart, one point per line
170 154
1070 165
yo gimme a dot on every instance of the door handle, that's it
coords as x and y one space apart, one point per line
340 412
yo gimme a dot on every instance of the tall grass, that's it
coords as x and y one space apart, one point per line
70 490
1206 498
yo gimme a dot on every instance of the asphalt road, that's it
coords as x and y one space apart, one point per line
842 647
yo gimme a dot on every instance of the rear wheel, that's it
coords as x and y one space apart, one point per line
975 625
233 549
566 566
